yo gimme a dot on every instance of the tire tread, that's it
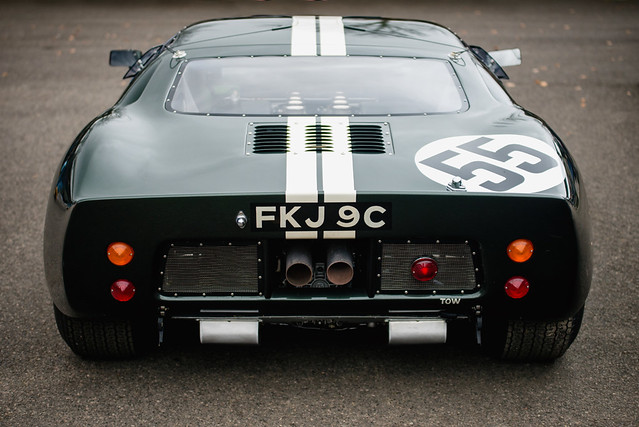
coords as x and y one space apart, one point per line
528 340
99 338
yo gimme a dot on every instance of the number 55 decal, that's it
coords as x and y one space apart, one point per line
492 163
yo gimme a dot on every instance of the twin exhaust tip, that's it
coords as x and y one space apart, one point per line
299 266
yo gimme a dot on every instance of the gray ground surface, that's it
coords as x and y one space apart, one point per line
579 72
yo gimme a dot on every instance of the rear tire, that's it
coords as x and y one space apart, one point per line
534 341
104 338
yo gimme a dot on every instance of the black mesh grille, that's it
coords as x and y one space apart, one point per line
456 270
211 270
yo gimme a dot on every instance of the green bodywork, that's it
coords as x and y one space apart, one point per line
145 175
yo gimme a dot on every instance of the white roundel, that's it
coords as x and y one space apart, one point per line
492 163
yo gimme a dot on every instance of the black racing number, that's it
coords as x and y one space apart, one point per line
505 153
468 171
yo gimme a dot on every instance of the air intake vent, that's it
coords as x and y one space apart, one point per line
270 139
368 139
319 138
227 269
363 138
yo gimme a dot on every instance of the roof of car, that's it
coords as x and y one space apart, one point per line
271 35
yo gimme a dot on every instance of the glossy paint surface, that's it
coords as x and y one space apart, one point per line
145 175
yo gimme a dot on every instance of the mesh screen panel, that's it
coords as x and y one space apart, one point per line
211 269
455 267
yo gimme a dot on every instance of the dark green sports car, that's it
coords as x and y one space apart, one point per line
319 172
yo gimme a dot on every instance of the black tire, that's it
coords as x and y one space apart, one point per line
104 338
533 341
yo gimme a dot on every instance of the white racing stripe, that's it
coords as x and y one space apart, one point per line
337 172
303 36
332 40
301 167
301 171
337 166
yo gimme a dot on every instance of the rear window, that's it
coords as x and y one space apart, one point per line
316 85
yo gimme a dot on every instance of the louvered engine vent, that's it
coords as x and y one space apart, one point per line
270 139
363 138
368 139
319 138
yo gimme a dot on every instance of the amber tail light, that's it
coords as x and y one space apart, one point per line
120 253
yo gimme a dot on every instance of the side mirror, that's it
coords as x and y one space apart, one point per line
124 58
489 62
506 57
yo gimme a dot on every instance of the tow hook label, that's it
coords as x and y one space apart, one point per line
327 216
449 301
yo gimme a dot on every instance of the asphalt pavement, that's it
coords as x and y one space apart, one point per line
579 72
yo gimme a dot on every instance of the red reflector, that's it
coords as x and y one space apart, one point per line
122 290
517 287
424 269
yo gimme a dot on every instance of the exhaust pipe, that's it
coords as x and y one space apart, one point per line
339 270
299 266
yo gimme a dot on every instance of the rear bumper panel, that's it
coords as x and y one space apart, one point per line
559 271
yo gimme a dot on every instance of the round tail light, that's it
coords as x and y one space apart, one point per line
520 250
122 290
424 269
517 287
119 253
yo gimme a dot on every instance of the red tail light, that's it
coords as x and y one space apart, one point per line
122 290
517 287
424 269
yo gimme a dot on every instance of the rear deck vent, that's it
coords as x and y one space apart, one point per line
363 138
367 139
319 138
269 139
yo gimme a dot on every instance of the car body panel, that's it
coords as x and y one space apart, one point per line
143 174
